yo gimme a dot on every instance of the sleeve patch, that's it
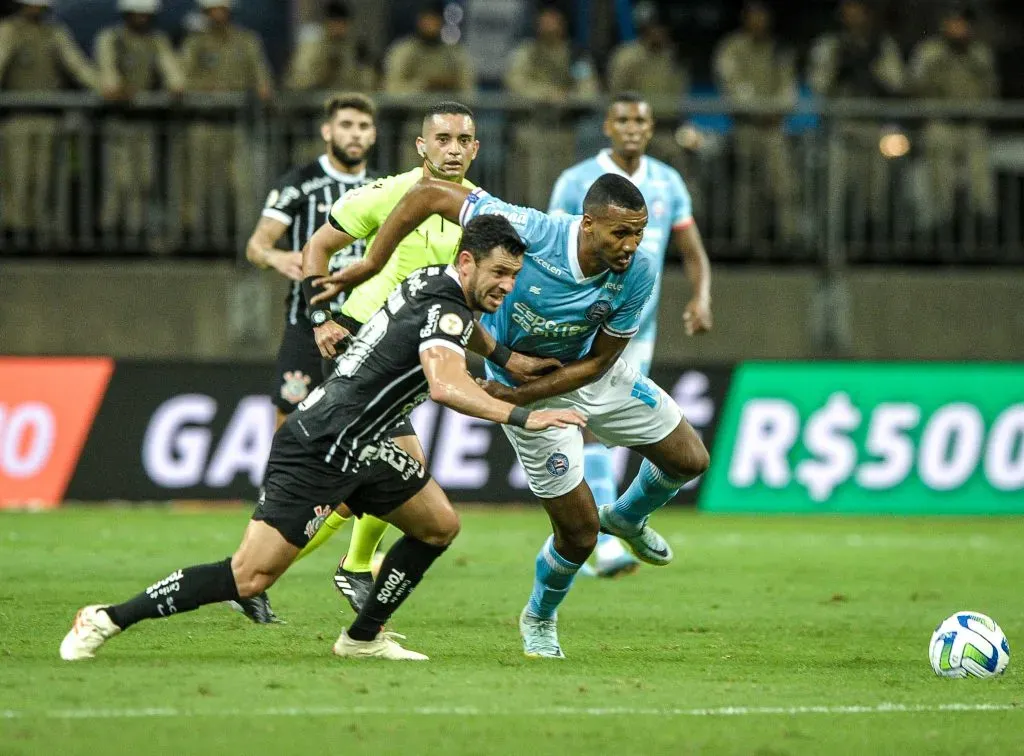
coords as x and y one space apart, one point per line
451 324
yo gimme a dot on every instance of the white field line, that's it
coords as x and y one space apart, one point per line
472 711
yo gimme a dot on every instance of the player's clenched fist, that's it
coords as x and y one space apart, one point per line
328 336
558 418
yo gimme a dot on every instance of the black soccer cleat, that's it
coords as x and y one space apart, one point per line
355 587
257 609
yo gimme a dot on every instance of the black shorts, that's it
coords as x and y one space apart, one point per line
300 489
300 368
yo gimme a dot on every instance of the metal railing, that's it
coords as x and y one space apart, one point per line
825 184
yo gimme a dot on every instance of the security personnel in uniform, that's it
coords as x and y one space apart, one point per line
956 66
544 144
132 58
422 63
36 55
222 58
651 67
750 68
860 61
330 57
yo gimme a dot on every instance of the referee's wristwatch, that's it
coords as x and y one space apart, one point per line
319 317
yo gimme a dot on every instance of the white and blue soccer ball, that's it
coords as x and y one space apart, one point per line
969 644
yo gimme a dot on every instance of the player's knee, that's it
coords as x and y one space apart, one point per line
442 530
692 460
576 540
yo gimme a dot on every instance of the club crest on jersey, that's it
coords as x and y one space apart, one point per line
320 511
295 387
451 324
557 464
658 208
598 311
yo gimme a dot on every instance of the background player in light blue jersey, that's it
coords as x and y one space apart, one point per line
580 298
629 126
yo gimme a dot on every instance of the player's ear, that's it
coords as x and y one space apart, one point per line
606 127
421 147
325 131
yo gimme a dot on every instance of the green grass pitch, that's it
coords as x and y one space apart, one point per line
768 635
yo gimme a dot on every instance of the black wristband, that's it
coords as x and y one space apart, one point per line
308 292
518 417
500 356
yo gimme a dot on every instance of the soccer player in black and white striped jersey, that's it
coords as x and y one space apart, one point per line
298 205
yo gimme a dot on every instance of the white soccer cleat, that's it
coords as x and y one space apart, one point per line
540 636
643 540
91 629
384 646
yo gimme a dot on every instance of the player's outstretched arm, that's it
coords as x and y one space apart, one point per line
605 350
451 385
697 314
522 367
260 249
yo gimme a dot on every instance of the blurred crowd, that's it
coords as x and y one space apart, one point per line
858 58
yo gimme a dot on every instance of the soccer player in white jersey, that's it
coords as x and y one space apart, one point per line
580 298
629 126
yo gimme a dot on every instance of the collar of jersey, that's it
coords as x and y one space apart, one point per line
604 159
572 251
453 274
334 173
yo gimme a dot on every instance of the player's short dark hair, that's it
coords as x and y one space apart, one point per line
354 100
612 189
448 107
337 10
485 233
628 98
431 8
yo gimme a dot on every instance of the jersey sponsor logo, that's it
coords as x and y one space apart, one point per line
295 387
432 316
289 195
451 324
548 266
515 218
392 454
598 311
538 325
320 513
612 286
317 183
535 290
557 464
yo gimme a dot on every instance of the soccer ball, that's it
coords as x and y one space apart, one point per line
969 644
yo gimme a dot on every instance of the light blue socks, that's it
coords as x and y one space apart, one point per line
552 580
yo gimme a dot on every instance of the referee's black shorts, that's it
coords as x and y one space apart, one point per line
300 489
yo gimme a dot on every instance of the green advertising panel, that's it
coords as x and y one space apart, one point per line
896 438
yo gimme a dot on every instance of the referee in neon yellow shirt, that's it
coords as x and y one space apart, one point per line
448 146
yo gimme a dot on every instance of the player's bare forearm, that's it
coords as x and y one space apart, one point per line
426 197
259 250
603 353
324 242
695 260
451 385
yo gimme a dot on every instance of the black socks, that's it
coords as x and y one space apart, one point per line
181 591
401 571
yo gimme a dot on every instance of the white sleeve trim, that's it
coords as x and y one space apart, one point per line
475 196
277 215
619 334
425 345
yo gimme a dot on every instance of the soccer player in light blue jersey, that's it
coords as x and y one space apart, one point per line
629 126
579 298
